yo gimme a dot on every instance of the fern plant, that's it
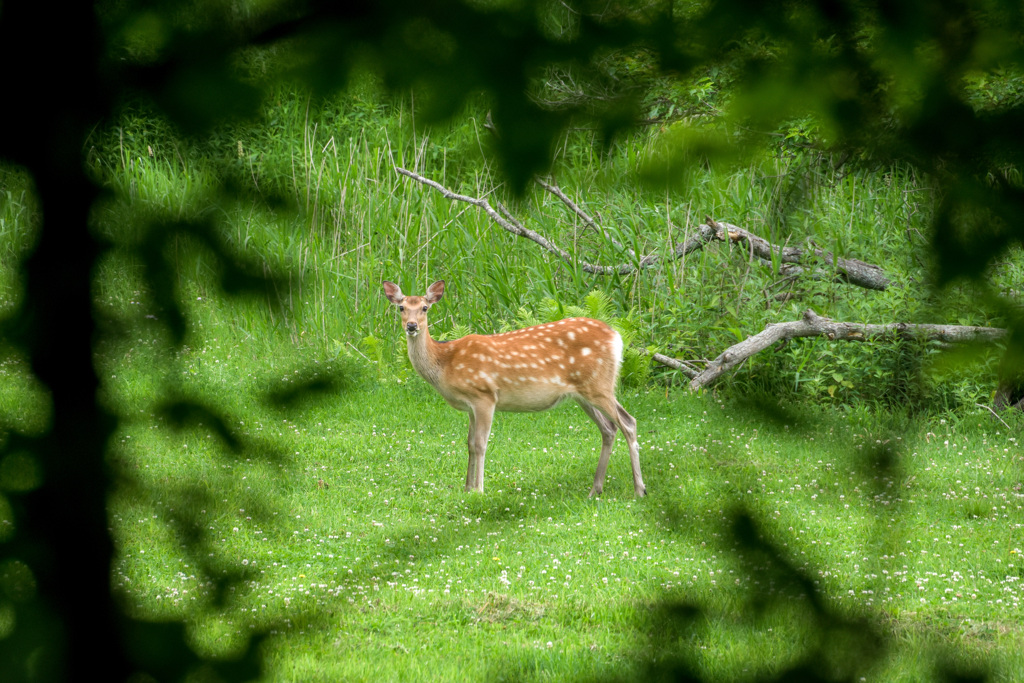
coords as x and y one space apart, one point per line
458 331
598 306
373 350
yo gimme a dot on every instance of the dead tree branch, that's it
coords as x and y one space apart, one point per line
814 325
793 260
557 191
854 272
680 365
503 218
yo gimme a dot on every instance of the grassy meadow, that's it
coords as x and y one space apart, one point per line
851 507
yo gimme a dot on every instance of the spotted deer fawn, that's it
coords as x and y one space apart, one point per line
527 370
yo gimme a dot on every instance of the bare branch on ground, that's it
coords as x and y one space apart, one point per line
814 325
680 365
793 259
506 221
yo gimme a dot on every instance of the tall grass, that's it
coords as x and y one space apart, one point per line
18 221
313 195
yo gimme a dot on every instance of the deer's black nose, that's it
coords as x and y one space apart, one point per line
411 327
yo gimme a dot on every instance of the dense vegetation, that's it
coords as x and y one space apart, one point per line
282 492
317 200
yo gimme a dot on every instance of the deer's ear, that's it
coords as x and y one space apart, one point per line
393 292
435 292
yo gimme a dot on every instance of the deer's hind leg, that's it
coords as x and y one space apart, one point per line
608 420
607 428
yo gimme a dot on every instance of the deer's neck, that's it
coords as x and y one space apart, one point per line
426 356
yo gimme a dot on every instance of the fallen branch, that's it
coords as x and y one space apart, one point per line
793 259
854 272
813 325
504 219
680 365
574 207
994 414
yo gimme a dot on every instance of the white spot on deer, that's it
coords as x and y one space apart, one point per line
571 336
585 351
572 360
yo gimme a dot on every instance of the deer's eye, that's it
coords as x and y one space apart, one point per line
425 308
401 309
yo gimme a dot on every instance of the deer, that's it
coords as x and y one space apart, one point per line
527 370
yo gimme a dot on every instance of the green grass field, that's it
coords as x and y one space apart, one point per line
341 530
885 503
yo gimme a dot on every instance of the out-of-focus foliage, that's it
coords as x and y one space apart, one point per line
934 85
937 85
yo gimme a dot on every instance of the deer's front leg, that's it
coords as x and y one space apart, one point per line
480 418
470 444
